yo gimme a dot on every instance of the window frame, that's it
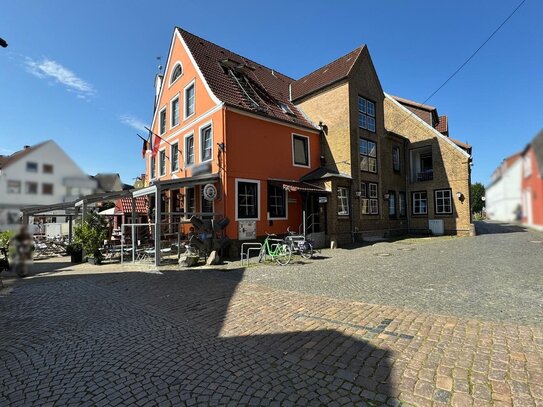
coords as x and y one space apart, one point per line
400 195
295 136
392 197
186 149
449 190
367 155
160 130
285 203
204 127
248 181
27 184
48 166
185 100
364 113
340 197
32 164
396 160
47 184
152 167
174 152
205 201
172 80
13 181
187 209
161 154
373 198
413 203
177 98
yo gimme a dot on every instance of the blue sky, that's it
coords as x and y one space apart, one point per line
81 73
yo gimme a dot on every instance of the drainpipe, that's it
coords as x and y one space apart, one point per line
407 171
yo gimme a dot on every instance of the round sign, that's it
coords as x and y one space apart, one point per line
210 192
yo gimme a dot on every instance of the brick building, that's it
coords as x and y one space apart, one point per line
330 151
532 183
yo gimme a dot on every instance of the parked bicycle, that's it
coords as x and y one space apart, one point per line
299 244
277 249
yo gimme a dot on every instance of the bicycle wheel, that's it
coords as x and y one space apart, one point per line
262 254
284 254
306 251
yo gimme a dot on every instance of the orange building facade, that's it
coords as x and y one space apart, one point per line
252 155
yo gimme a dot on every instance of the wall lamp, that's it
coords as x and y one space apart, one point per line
460 195
386 196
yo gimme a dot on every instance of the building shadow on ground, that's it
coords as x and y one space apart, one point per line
189 337
493 227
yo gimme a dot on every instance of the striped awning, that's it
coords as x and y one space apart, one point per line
297 186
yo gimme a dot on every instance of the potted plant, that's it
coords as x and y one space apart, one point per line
90 233
75 251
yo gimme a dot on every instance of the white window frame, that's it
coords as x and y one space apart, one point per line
43 188
164 109
186 150
186 208
392 209
27 183
367 155
414 197
178 98
152 168
258 200
436 206
192 83
171 82
365 206
201 132
364 112
373 195
286 206
35 163
293 135
527 165
162 150
174 150
343 206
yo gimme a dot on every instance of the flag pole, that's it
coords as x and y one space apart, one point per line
166 141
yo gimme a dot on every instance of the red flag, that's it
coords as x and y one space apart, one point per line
156 144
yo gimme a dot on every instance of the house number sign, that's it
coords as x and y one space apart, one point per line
210 192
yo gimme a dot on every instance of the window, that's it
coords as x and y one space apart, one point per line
162 162
443 201
175 112
396 158
300 150
391 204
162 124
190 201
366 114
31 166
247 199
527 165
47 168
420 203
177 71
342 201
189 100
277 207
206 142
402 203
373 193
207 207
153 167
363 190
368 156
47 189
14 187
189 149
174 154
32 188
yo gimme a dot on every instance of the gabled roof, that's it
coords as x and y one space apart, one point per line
271 88
418 108
414 104
6 160
461 144
325 76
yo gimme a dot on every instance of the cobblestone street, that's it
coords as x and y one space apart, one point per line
111 335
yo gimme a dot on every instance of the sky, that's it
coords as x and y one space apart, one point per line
82 72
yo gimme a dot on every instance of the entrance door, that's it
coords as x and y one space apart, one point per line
315 211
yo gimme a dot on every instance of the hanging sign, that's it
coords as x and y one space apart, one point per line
209 192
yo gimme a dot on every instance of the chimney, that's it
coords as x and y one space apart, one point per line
25 147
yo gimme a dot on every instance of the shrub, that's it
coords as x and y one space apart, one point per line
90 234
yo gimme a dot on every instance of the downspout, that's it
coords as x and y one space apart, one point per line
407 172
223 197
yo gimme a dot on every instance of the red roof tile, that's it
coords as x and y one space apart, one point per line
460 144
16 156
326 75
270 86
124 205
443 125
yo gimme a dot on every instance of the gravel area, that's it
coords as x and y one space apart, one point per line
497 275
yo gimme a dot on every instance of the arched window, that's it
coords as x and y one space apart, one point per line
176 72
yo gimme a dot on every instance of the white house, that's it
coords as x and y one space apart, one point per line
503 195
39 175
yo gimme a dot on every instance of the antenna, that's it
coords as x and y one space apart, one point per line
159 65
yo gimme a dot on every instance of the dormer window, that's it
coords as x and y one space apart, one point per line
177 71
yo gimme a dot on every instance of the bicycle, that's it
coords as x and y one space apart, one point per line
280 251
299 244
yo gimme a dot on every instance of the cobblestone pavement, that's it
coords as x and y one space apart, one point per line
206 337
496 276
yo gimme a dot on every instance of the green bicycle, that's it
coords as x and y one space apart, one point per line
277 249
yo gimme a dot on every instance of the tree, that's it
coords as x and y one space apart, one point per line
477 195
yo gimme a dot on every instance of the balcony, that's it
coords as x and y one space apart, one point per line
422 166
